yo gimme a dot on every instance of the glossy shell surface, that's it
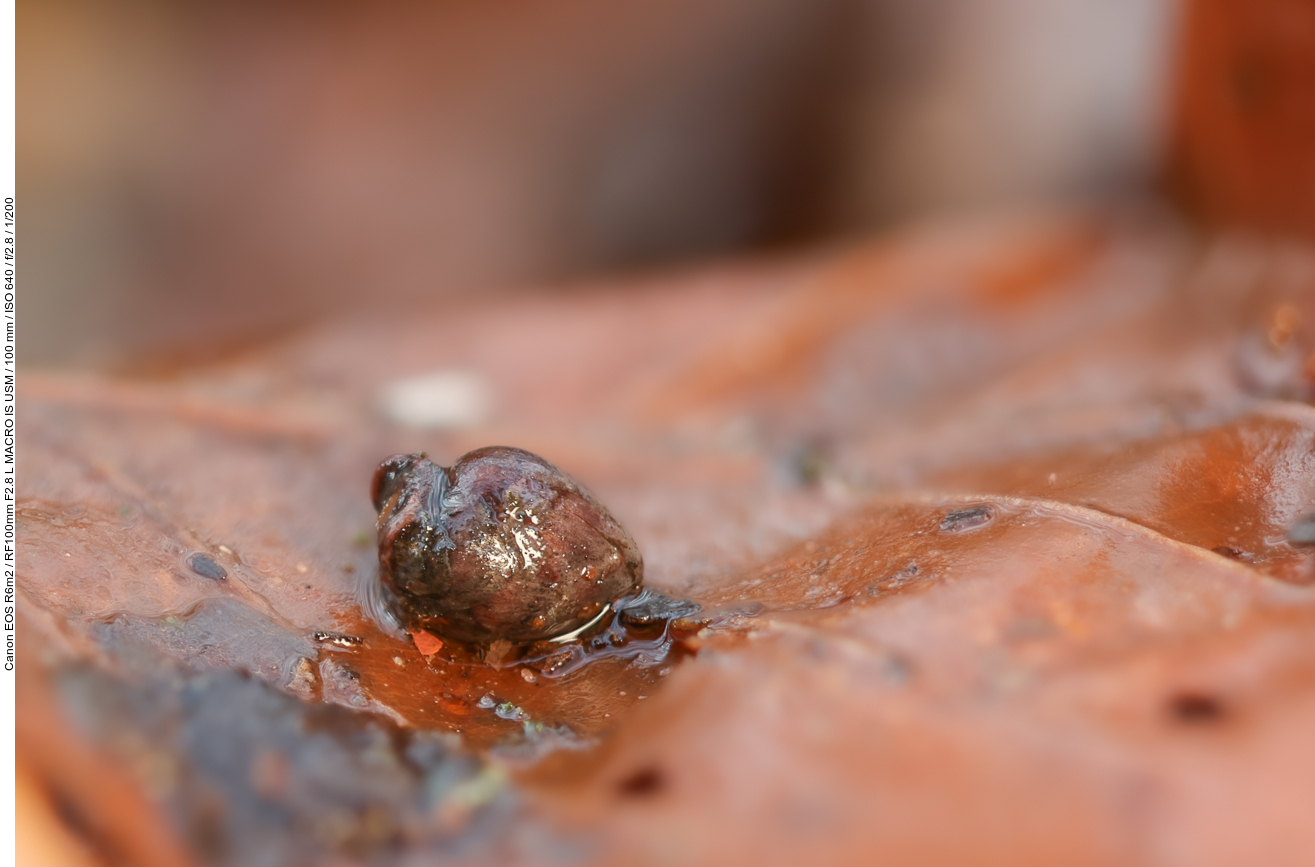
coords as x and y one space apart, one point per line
502 545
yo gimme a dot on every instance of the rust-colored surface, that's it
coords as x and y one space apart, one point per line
1244 114
992 547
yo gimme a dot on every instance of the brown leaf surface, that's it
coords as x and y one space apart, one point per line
988 522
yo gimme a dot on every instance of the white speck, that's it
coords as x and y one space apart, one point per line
302 568
530 544
443 399
494 553
1053 477
623 692
399 661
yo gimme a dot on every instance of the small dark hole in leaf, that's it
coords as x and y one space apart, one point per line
1196 707
642 783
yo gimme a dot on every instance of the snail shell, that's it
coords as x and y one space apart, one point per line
502 545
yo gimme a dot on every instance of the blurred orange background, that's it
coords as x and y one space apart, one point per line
199 175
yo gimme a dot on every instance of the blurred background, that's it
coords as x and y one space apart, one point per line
197 176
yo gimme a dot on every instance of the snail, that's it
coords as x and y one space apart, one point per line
501 546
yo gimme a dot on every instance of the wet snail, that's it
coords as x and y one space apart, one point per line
501 546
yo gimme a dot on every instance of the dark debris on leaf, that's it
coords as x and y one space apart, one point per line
960 520
205 566
1302 532
267 774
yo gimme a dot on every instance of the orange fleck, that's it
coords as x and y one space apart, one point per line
427 644
453 704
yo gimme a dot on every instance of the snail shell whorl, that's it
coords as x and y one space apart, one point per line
502 545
